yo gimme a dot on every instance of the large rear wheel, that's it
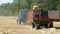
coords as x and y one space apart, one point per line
50 24
33 25
38 26
46 24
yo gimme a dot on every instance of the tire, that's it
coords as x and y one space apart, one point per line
18 21
51 24
38 26
46 25
33 25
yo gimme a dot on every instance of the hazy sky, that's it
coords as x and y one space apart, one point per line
5 1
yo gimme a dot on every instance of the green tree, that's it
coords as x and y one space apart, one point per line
58 6
52 4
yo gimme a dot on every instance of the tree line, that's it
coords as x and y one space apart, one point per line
12 9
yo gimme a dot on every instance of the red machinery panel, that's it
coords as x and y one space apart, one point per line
29 17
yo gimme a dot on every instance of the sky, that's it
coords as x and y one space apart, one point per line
5 1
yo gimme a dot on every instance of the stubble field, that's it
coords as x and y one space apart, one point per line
8 25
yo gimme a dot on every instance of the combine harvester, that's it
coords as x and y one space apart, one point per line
47 18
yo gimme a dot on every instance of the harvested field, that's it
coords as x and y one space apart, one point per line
8 25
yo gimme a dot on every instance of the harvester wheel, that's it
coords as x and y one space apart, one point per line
51 25
33 25
46 25
38 27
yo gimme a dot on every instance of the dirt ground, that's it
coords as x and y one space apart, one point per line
8 25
